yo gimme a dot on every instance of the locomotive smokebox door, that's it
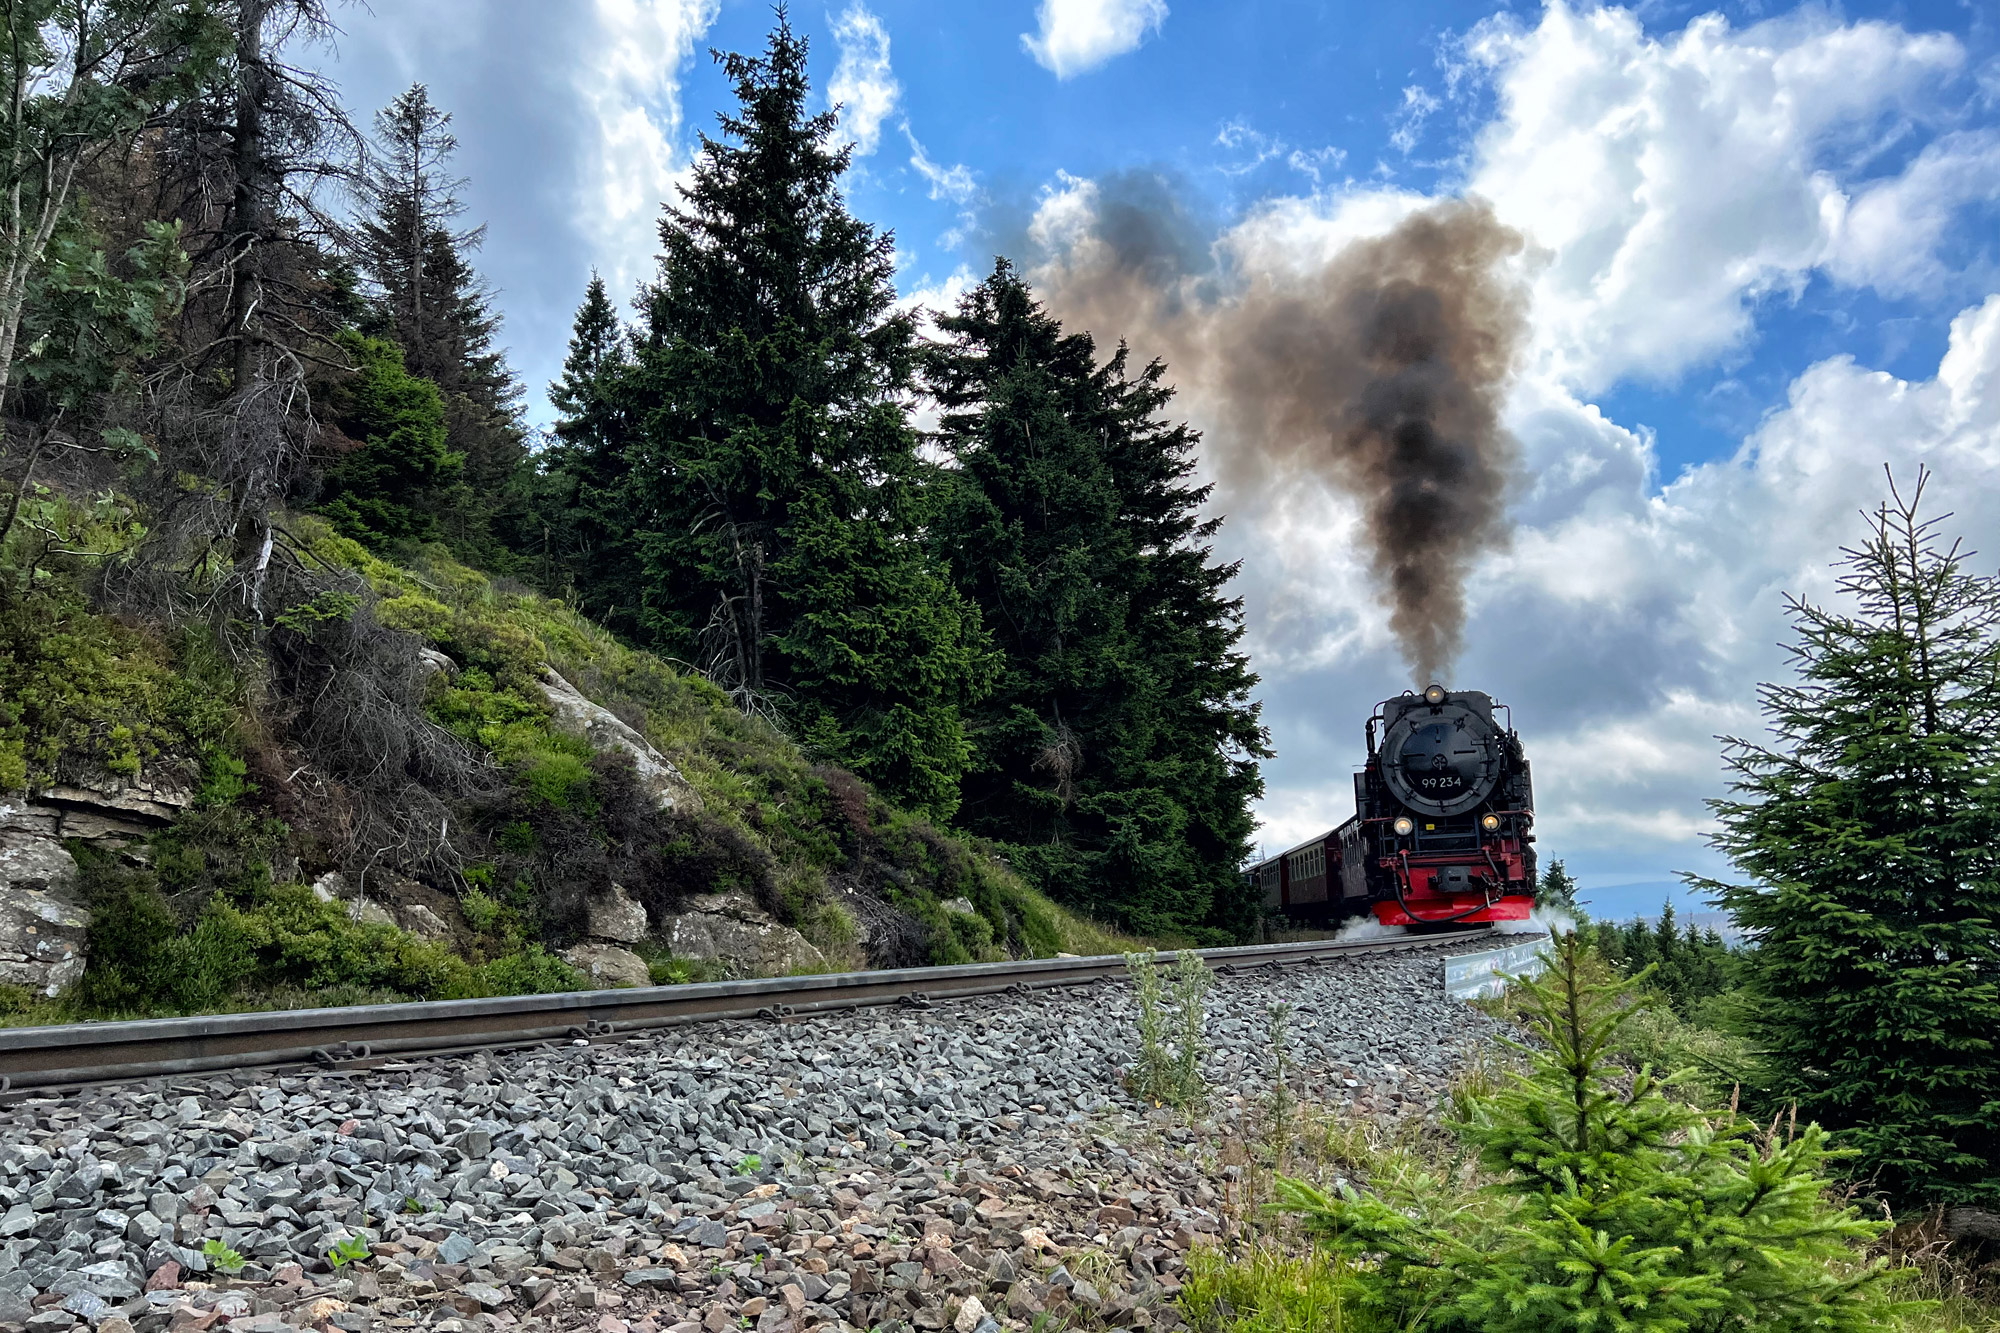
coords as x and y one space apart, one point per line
1442 758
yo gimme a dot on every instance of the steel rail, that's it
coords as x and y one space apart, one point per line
362 1036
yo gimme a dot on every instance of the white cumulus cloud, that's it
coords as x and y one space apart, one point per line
1672 181
1077 36
629 84
954 183
863 85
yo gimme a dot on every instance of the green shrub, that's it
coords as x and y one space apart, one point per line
1612 1206
529 971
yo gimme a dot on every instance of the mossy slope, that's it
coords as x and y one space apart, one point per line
319 735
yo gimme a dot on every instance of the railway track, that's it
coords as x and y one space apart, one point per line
368 1036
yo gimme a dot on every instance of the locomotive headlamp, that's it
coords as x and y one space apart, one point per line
1404 826
1434 694
1491 823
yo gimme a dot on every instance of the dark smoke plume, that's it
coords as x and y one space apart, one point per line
1380 370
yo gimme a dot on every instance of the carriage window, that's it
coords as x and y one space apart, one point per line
1308 863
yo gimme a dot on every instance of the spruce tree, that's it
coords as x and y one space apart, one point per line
773 492
387 484
1557 890
430 300
1117 754
1870 831
1611 1207
581 532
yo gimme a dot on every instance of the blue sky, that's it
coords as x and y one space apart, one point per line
1760 247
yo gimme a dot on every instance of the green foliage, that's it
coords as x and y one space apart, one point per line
759 427
90 319
1264 1290
1117 754
225 1259
81 690
1611 1207
1870 831
750 1165
1172 1029
328 608
528 970
344 1252
388 487
1689 966
205 928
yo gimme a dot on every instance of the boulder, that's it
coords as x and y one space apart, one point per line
607 965
605 730
369 913
614 916
731 929
421 921
431 662
42 917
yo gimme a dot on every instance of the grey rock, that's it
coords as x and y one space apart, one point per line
612 915
607 965
42 918
705 1232
369 913
488 1295
422 922
456 1249
86 1304
578 716
731 929
431 662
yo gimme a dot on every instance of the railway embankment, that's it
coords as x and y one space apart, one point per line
974 1165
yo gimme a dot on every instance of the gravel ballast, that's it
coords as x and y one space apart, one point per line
908 1167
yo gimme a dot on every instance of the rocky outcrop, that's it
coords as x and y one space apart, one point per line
731 929
42 917
138 804
605 730
607 965
614 916
431 662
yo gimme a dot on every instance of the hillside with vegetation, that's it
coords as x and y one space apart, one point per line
323 675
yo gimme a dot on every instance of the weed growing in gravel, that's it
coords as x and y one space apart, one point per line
1191 983
1281 1106
344 1252
1151 1077
1170 1010
225 1259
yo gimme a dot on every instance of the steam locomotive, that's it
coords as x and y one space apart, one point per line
1441 833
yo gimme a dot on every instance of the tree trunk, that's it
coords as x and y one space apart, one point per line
247 204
